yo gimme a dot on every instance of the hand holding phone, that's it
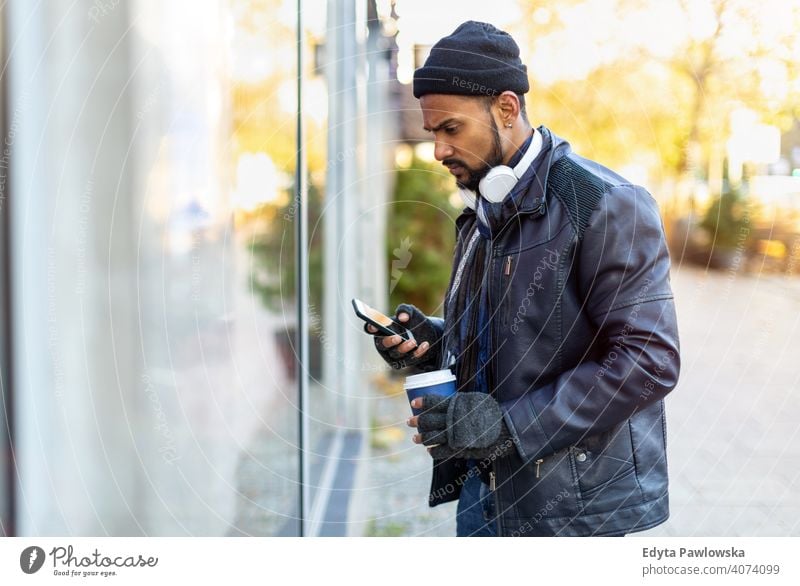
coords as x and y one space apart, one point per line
403 341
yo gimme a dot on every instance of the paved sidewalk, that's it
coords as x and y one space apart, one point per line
732 422
399 474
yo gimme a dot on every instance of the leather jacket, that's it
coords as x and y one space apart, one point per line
584 349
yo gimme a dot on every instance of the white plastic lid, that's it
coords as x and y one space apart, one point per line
429 379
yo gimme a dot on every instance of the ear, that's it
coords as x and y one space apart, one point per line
508 107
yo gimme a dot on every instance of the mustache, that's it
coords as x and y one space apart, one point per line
451 162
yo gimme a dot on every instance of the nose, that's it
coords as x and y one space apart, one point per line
442 150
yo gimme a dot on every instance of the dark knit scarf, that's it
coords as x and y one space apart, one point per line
461 313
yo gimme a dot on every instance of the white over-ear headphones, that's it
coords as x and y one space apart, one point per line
500 180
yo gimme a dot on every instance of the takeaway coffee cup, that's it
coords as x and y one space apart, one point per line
438 382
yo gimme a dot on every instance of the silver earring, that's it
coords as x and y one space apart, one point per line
508 125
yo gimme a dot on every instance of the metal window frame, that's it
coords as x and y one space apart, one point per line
301 247
7 461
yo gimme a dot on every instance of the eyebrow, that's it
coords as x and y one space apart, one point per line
441 125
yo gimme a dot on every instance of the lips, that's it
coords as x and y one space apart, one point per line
456 169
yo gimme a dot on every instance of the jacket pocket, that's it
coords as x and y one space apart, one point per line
540 489
606 470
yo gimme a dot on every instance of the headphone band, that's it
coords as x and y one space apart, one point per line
534 148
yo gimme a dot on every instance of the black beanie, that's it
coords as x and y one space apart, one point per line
477 59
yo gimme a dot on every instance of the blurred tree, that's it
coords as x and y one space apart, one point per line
727 221
263 106
729 235
421 237
653 82
273 263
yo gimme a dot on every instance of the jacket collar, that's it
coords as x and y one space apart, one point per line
529 193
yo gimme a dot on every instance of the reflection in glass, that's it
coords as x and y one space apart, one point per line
215 268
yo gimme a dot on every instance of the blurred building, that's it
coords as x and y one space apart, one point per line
179 356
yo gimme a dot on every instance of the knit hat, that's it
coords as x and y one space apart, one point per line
477 59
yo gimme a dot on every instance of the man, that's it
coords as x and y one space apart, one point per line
559 318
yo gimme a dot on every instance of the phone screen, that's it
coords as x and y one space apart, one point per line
374 314
383 323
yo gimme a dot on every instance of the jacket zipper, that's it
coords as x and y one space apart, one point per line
490 370
504 291
535 213
497 514
491 378
492 475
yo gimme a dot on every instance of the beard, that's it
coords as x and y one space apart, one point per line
493 159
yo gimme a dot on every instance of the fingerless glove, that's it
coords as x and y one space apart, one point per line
424 329
464 425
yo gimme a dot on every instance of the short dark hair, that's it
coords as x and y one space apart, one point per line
488 101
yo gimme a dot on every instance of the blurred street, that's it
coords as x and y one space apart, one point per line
733 449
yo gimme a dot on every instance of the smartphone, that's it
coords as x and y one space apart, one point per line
381 322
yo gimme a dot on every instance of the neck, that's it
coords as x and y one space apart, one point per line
515 139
